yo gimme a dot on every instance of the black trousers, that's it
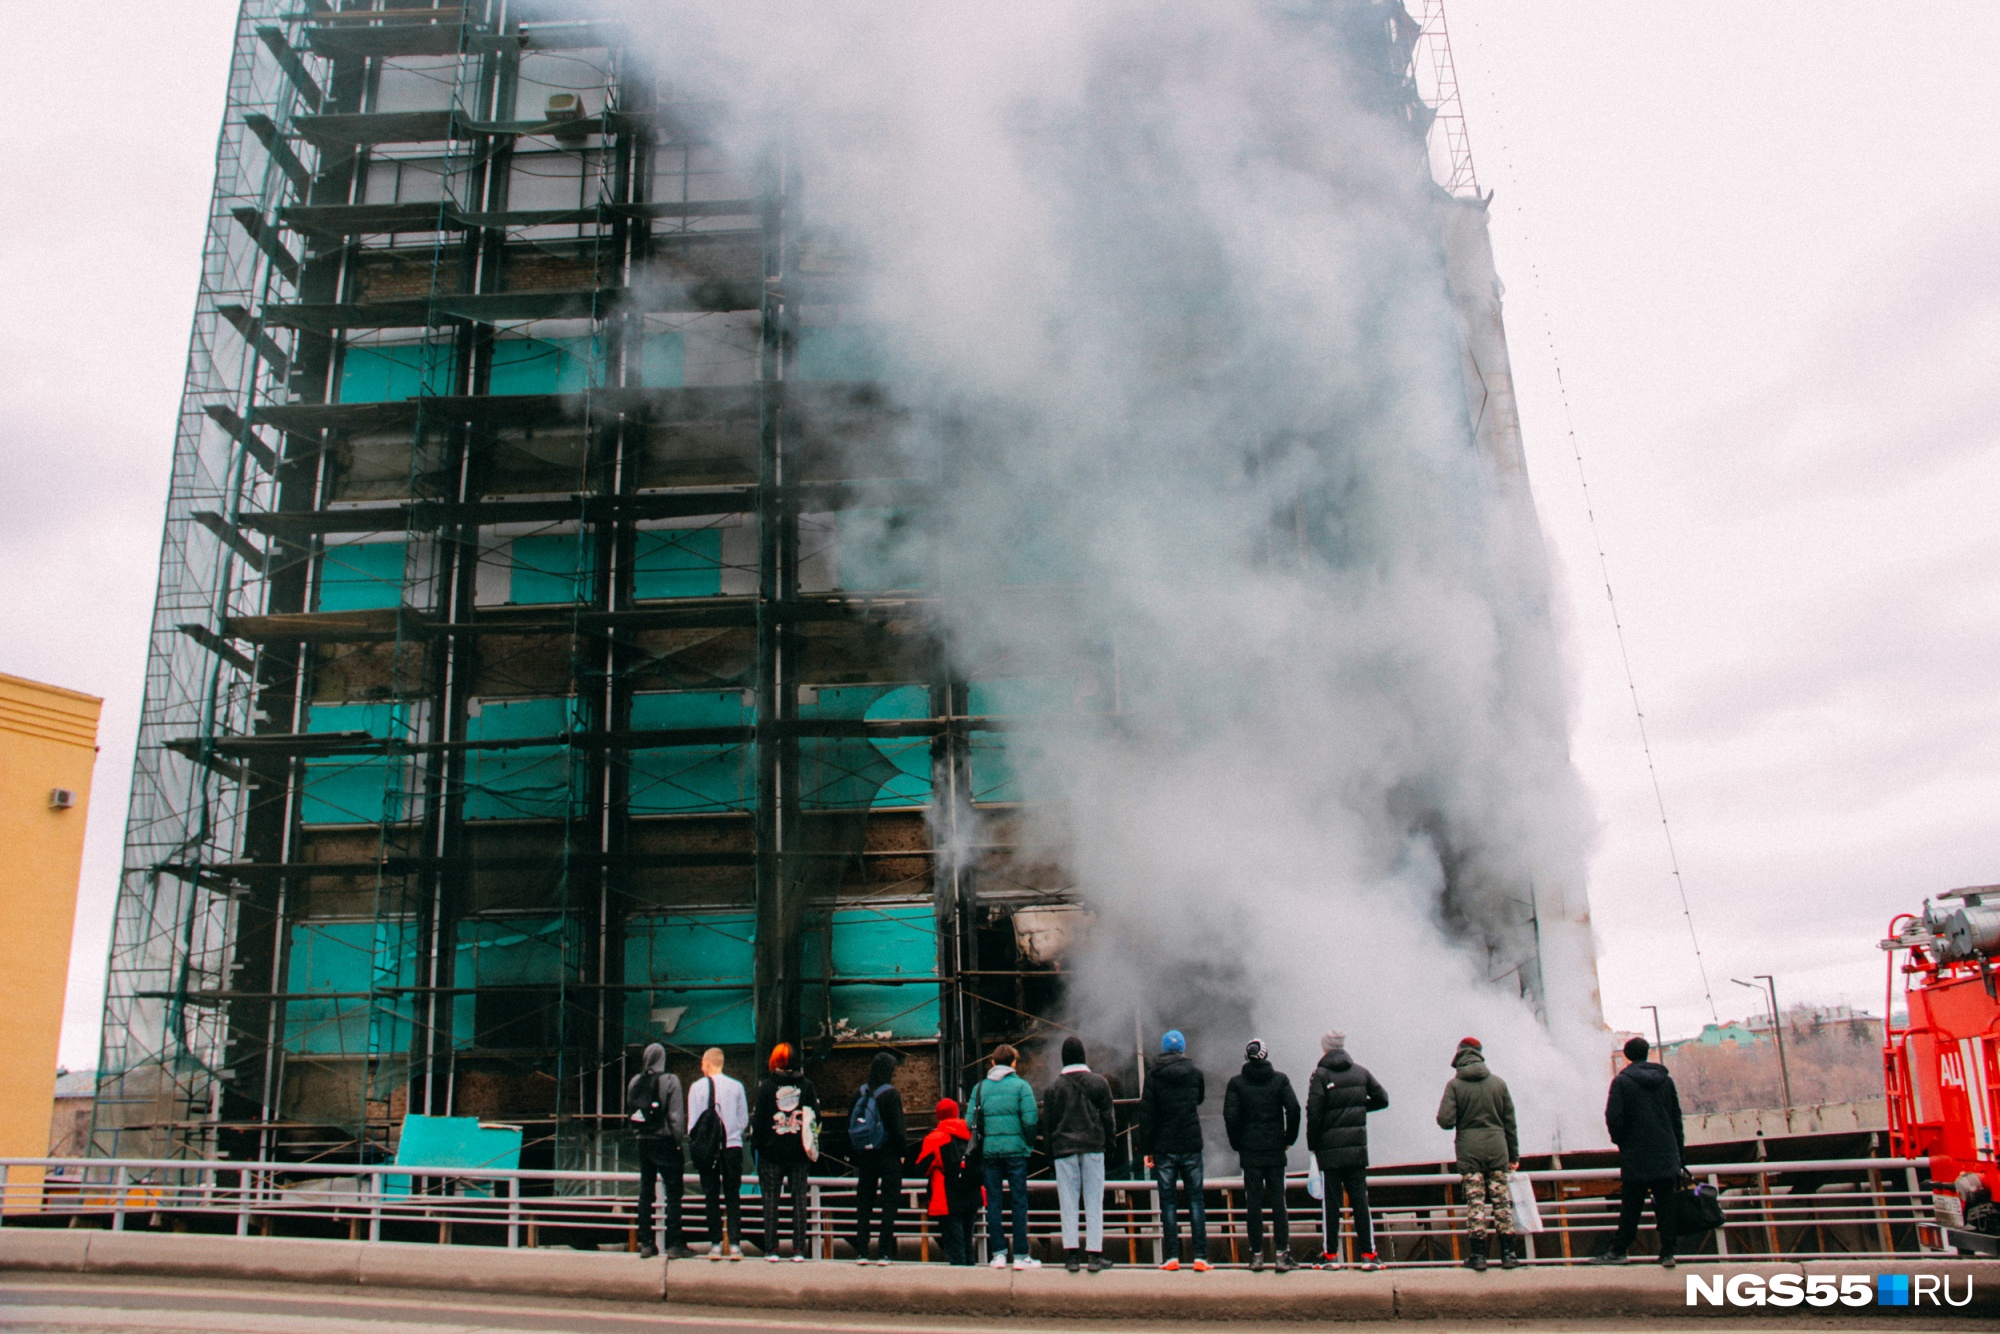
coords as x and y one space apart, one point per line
881 1186
771 1178
659 1164
1632 1195
955 1231
1264 1188
1352 1182
723 1187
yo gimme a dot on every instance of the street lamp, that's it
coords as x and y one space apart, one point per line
1658 1045
1778 1031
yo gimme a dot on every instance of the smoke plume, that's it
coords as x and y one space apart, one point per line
1162 293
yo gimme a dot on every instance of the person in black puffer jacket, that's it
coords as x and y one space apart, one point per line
1170 1137
1339 1097
880 1168
1643 1115
1077 1116
1261 1114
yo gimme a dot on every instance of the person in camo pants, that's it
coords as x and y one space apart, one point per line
1478 1106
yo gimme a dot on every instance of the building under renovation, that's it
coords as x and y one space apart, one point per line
514 699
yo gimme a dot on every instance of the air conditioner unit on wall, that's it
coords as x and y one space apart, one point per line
61 799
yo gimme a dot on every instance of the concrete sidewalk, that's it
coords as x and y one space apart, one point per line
1548 1293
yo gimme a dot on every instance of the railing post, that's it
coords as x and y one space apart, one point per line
118 1180
3 1192
1721 1233
375 1180
513 1213
1916 1210
243 1203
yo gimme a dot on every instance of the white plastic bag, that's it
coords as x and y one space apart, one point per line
1315 1179
1527 1215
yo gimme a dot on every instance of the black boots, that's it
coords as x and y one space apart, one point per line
1476 1260
1098 1264
1073 1260
1510 1257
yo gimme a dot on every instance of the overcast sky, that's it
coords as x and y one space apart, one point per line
1759 239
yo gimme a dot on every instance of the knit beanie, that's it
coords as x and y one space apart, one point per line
1256 1051
1471 1042
1332 1040
1172 1040
1072 1051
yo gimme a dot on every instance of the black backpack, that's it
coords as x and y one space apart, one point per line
707 1137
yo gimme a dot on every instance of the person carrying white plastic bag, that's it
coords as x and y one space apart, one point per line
1478 1106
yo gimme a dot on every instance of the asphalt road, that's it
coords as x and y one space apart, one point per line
55 1305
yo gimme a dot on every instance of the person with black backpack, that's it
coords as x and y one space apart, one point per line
657 1113
876 1138
718 1114
947 1159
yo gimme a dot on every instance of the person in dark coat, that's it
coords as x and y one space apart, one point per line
880 1168
1477 1105
1261 1114
657 1113
1170 1138
1077 1117
953 1197
786 1103
1339 1097
1643 1115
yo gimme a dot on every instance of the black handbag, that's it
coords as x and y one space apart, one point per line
1697 1207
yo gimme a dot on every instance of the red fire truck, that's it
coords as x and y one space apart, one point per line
1941 1059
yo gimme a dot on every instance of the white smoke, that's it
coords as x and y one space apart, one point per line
1165 301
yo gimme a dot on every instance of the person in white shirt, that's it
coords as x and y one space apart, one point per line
723 1184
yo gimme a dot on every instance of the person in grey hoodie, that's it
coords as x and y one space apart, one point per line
1077 1117
1478 1106
657 1113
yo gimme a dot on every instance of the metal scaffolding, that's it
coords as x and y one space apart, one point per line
525 684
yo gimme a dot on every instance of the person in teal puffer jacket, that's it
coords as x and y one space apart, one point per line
1003 1122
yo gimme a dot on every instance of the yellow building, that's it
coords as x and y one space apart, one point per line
48 744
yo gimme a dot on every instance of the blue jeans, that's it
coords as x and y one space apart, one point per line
1013 1171
1187 1168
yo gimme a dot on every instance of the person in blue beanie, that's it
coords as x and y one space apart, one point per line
1170 1137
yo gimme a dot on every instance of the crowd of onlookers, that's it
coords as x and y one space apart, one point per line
976 1153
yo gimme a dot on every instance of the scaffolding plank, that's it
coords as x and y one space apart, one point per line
353 129
359 219
736 403
422 516
336 41
330 626
288 60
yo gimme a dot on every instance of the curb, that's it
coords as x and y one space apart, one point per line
1545 1293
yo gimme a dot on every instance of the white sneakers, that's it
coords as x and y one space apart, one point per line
1027 1262
1000 1260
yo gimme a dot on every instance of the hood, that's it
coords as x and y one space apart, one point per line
1166 1059
882 1070
1650 1074
1470 1063
1000 1072
1337 1059
1258 1072
656 1059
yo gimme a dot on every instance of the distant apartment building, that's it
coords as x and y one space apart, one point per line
48 745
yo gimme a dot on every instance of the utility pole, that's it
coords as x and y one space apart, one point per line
1658 1043
1778 1032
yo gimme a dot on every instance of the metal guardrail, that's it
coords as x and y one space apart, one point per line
1857 1208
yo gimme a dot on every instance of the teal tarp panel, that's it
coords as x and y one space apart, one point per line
714 953
346 958
848 773
358 576
543 365
531 781
884 943
687 780
838 352
524 955
663 361
677 563
385 373
998 758
549 569
453 1141
355 789
880 548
